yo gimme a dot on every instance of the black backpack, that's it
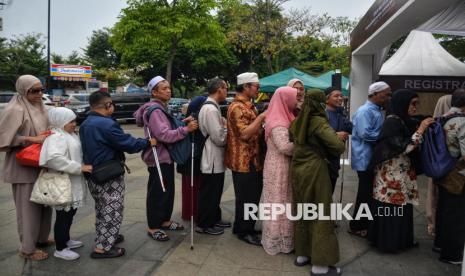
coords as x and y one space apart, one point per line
198 138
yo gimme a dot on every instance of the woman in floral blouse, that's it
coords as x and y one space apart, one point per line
395 188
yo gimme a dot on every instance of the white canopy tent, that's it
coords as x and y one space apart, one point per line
387 21
422 55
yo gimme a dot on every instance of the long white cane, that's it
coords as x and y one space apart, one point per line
344 155
157 163
192 194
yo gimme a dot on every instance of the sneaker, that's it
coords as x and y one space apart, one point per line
223 224
210 230
74 244
66 254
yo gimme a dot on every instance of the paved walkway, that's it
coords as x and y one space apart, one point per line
212 255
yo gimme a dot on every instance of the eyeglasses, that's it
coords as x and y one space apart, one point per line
37 90
107 105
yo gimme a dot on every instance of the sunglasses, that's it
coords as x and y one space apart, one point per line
37 90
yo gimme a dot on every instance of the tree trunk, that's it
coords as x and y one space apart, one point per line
169 65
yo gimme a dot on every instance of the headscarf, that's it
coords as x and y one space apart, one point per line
280 109
399 106
20 116
396 133
58 117
292 82
442 106
314 106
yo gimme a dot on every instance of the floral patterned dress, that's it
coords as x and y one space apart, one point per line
396 180
277 235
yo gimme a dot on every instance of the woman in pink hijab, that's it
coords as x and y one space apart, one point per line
277 236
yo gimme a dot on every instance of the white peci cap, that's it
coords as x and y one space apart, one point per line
247 78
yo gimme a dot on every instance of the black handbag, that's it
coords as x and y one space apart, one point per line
108 171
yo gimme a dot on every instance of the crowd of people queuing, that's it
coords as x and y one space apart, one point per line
289 153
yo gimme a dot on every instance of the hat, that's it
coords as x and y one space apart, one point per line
330 90
247 78
377 87
153 82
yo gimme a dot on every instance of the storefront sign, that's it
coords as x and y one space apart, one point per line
72 71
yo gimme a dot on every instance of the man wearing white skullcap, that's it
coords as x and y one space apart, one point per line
367 123
243 154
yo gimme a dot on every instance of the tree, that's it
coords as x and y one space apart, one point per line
22 55
99 51
153 31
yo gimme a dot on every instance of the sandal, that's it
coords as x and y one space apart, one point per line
48 243
114 252
359 233
174 226
119 239
158 235
38 255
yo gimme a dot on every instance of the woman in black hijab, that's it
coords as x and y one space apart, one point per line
395 188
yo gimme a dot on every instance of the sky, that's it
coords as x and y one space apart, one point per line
73 21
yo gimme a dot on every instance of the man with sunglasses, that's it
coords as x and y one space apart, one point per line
103 140
243 153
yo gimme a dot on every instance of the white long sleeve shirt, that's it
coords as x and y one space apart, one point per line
211 124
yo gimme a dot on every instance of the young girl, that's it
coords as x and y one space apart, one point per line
62 152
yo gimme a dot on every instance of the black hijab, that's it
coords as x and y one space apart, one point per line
397 129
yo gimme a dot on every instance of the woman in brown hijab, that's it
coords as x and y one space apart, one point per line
21 124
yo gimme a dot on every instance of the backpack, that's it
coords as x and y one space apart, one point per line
181 150
198 138
437 161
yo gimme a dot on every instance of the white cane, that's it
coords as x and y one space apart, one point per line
343 165
155 155
192 194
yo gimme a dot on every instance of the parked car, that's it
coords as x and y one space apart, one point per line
5 98
125 105
175 106
77 100
46 99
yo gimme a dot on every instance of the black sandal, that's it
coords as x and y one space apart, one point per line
158 235
114 252
119 239
174 226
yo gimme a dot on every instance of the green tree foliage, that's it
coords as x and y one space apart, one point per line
455 45
155 31
99 51
21 55
73 59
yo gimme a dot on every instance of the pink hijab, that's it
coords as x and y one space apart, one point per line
280 110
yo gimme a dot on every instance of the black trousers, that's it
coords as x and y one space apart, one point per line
159 204
210 192
450 225
248 189
63 222
364 195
